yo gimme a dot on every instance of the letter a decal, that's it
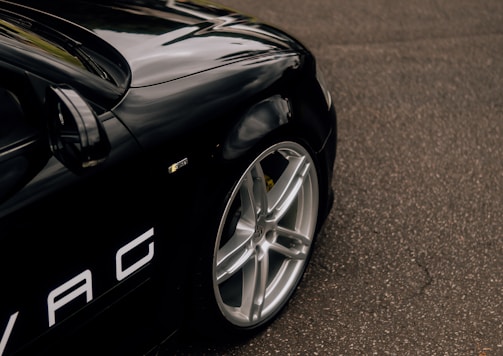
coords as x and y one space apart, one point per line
81 284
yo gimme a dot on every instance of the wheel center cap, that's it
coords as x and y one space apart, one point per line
259 232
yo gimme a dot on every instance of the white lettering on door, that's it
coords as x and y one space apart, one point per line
82 284
6 333
54 302
122 273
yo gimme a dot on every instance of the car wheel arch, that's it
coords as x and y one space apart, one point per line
258 121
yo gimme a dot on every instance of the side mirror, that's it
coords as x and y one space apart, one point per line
77 137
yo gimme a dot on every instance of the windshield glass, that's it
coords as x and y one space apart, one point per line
50 42
10 29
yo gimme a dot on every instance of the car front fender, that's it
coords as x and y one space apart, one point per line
258 121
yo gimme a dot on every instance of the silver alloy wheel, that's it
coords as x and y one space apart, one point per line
265 235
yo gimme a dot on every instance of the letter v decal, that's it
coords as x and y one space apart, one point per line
6 333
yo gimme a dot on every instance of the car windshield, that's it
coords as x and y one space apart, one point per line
49 42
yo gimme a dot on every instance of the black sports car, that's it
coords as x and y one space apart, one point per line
163 164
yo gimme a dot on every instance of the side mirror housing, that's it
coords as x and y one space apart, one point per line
76 136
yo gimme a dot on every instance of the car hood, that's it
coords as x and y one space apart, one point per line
166 40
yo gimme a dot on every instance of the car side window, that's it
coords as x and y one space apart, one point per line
16 97
12 120
22 153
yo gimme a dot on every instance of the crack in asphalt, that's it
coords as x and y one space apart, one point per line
429 278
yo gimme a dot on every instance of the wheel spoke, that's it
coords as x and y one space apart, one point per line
295 247
231 259
249 204
258 189
288 186
254 285
294 235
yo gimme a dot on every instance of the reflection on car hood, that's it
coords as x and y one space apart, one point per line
165 40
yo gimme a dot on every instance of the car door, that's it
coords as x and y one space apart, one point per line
76 234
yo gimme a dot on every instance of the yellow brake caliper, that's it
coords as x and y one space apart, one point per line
269 183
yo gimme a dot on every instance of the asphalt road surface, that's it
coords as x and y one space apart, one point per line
410 261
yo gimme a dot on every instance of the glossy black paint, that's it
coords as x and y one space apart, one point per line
188 82
163 41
